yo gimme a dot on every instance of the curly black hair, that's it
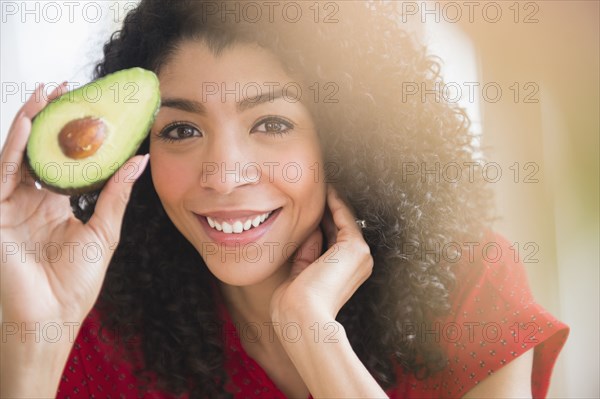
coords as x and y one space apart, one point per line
372 135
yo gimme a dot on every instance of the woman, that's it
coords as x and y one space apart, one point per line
240 270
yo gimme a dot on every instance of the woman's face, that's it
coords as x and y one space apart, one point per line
235 160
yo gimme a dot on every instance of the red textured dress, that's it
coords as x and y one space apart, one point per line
494 319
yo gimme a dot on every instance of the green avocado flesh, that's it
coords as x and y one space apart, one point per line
124 105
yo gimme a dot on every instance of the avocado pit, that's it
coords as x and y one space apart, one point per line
81 138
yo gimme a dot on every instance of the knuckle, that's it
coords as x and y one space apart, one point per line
123 197
362 249
119 197
368 264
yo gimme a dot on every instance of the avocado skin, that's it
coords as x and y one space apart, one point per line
64 191
95 186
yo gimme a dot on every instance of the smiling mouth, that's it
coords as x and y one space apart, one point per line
238 225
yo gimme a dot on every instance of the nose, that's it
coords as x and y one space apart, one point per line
228 164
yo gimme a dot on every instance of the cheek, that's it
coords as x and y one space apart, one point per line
170 177
304 179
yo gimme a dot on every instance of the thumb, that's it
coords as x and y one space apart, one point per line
309 251
110 208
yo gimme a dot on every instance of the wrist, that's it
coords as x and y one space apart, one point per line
321 353
304 310
32 359
300 328
303 316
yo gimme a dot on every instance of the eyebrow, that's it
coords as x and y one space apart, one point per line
184 105
260 98
196 107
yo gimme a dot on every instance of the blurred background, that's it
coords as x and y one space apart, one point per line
527 73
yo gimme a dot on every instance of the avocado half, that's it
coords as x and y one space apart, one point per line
79 140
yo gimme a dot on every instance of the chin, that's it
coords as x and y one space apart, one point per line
243 273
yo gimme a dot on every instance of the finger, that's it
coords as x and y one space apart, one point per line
309 251
329 228
343 217
26 176
110 208
58 91
11 158
36 102
39 99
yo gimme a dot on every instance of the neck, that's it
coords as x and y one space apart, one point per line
250 304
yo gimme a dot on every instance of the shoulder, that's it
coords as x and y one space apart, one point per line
494 320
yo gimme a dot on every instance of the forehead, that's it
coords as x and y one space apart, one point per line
194 65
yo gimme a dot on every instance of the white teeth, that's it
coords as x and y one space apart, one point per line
238 226
227 228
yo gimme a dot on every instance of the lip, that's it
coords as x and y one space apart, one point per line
245 237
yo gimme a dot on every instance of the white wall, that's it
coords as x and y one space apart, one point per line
50 42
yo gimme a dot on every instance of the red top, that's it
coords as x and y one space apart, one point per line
494 319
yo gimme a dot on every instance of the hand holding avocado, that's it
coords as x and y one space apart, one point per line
83 137
53 265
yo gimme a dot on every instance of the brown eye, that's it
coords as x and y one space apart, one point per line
179 131
273 126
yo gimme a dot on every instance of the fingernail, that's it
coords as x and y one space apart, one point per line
141 166
59 88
